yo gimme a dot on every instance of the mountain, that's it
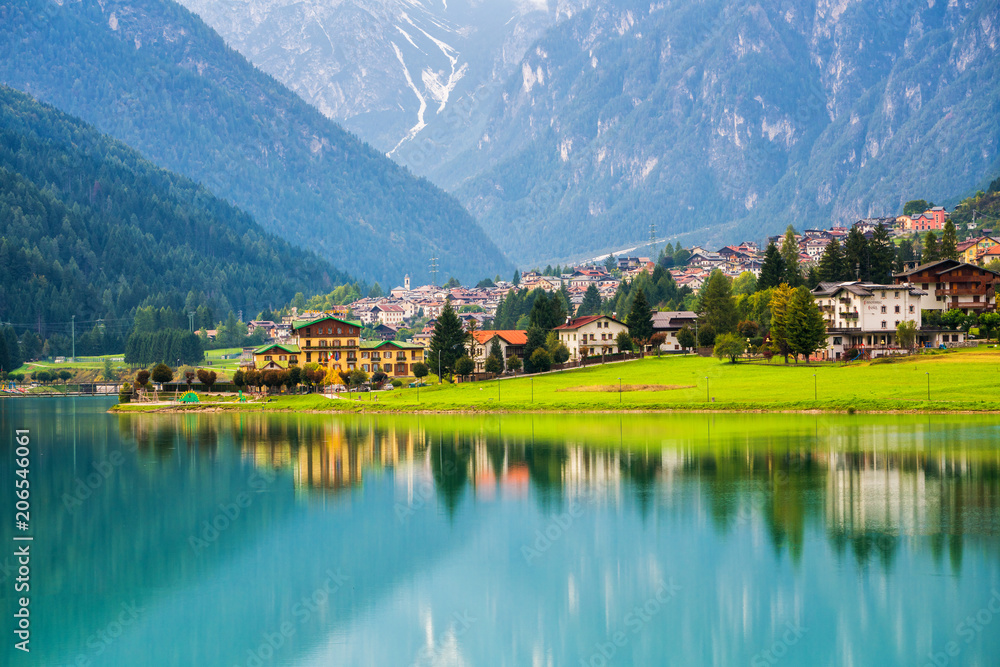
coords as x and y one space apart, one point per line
153 75
91 229
719 120
411 77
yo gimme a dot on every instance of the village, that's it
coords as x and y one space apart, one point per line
391 334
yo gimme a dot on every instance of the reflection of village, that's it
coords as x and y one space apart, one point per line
867 497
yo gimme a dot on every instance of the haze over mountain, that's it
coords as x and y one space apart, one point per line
715 118
153 75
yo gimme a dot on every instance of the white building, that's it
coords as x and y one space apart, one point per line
862 318
590 336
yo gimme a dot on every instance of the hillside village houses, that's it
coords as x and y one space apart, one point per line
854 311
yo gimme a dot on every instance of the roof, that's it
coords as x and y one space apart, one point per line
510 336
861 289
290 348
375 344
584 321
664 319
942 266
304 323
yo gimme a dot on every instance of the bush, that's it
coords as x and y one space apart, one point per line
514 364
541 360
162 373
397 383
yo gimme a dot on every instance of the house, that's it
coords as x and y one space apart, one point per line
394 358
931 219
670 323
973 251
328 340
511 342
385 332
861 318
590 335
266 325
387 313
276 357
949 284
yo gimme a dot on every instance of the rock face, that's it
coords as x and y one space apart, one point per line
715 119
153 75
408 76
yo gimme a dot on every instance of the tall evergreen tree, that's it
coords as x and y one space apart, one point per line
904 253
856 252
932 252
949 241
772 271
790 255
806 329
882 251
832 265
640 319
780 298
536 340
718 308
448 342
591 304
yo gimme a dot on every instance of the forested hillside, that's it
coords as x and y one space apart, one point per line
89 228
153 75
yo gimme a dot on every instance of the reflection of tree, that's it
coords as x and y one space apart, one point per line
546 464
642 470
450 467
793 481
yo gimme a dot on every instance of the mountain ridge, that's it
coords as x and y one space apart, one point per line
153 75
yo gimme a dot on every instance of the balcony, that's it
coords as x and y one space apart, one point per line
969 290
845 300
848 315
826 307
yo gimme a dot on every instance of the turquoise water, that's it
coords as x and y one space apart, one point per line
549 540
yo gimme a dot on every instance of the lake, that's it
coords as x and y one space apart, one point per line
693 539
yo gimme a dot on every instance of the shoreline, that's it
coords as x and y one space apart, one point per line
209 408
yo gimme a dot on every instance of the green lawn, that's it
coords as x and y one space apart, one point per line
959 380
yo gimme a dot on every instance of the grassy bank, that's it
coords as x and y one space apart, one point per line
963 380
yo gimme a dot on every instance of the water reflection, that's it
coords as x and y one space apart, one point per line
866 484
878 533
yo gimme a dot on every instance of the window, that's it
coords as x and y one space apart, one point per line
309 343
339 331
897 309
884 324
329 331
883 309
293 359
911 308
897 323
282 358
923 286
896 295
837 340
883 295
267 358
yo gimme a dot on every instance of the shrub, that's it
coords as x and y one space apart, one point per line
397 383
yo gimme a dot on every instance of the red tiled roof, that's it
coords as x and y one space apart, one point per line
583 321
511 336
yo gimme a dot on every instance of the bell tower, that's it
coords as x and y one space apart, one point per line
406 282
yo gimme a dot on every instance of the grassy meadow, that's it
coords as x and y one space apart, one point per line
967 380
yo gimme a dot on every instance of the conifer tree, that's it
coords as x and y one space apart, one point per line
857 254
790 255
949 242
718 308
591 304
640 319
883 255
448 342
780 298
805 327
772 271
932 252
832 265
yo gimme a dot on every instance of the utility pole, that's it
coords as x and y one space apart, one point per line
652 241
73 321
434 270
191 317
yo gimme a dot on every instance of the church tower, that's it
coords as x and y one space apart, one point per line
406 282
